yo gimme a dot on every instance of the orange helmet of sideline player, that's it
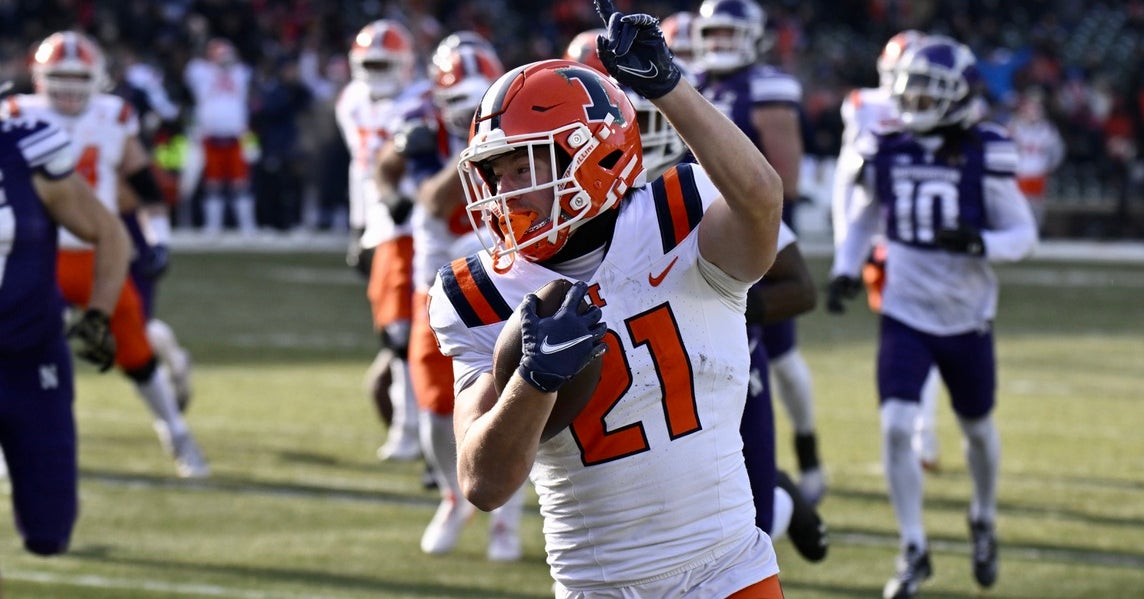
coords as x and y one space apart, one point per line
382 57
68 67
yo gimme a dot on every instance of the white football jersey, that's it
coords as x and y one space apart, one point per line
649 479
99 135
1040 148
220 94
367 125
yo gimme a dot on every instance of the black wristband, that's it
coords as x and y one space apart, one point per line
97 315
143 183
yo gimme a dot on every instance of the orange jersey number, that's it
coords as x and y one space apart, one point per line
88 165
656 329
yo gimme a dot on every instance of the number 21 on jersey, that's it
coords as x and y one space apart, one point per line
656 331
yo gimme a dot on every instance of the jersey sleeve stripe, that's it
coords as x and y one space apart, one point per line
678 205
776 89
43 147
1001 158
472 293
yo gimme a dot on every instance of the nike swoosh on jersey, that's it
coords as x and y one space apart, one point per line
648 73
656 280
546 348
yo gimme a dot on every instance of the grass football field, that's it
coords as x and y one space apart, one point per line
299 507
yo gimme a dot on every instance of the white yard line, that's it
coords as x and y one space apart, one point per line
162 587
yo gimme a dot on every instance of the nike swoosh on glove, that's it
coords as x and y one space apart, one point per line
556 348
635 53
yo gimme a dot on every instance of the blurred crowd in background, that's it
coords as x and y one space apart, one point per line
1078 63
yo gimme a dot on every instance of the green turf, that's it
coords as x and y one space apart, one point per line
300 508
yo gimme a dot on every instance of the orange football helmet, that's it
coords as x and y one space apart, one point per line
382 57
578 121
464 37
460 76
677 32
68 67
892 54
582 49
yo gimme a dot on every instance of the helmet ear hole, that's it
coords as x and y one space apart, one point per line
563 161
609 161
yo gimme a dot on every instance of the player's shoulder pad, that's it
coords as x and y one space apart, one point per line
678 204
472 292
43 145
351 94
1000 151
126 112
768 85
852 102
10 107
867 142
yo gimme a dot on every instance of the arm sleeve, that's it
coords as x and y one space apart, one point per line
1013 229
48 151
847 192
861 225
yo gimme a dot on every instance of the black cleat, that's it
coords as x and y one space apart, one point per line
807 531
983 540
428 479
913 568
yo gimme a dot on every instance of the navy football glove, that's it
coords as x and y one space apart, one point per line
556 348
154 260
395 336
414 141
841 288
92 338
635 53
400 209
962 240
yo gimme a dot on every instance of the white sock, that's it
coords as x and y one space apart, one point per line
983 457
783 510
440 449
162 340
213 211
927 416
903 469
793 385
159 395
405 418
244 212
